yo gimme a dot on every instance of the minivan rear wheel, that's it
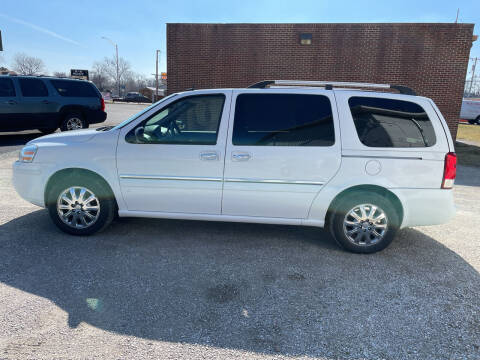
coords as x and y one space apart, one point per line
73 121
365 223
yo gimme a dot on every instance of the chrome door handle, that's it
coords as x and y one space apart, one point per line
45 102
240 156
11 102
209 156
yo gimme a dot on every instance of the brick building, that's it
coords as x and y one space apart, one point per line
430 58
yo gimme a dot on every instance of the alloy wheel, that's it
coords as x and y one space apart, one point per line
365 225
74 123
78 207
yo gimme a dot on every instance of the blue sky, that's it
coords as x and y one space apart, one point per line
67 34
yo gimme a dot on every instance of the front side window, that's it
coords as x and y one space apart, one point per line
72 88
33 87
6 88
193 120
283 120
382 122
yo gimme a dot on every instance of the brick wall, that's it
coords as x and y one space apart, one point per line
430 58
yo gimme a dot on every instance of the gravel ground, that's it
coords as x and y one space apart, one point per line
169 289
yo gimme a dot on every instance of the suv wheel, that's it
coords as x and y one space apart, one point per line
80 205
73 121
365 223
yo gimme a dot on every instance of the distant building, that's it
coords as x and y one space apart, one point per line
430 58
149 92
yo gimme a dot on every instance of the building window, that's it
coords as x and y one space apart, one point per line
306 39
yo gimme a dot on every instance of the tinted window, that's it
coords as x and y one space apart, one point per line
283 120
384 122
6 88
192 120
74 88
33 87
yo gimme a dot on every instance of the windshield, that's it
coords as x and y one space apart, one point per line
133 117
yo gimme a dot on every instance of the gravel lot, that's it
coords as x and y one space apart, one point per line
168 289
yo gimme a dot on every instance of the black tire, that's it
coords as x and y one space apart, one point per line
348 203
477 120
73 119
105 198
47 131
472 122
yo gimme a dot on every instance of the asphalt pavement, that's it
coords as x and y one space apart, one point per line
166 289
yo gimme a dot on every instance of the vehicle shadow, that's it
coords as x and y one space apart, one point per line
468 175
15 139
261 288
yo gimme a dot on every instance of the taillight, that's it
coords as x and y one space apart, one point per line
449 171
102 104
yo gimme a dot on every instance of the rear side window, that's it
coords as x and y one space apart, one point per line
382 122
6 88
74 88
33 87
283 120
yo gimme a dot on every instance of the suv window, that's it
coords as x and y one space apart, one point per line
33 87
70 88
283 120
382 122
192 120
6 88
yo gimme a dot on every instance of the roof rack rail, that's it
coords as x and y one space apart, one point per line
329 85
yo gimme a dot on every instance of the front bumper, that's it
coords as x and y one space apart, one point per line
28 182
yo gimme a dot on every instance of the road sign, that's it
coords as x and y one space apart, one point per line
79 74
164 76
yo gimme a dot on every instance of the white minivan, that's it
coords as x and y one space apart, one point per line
360 162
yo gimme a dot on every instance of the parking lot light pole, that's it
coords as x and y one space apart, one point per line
116 60
156 77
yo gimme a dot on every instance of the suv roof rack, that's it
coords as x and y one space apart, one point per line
329 85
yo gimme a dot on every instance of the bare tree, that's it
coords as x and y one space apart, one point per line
28 65
60 74
109 67
100 78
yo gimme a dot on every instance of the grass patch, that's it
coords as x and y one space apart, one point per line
469 132
468 154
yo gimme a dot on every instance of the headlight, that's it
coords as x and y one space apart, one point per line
28 153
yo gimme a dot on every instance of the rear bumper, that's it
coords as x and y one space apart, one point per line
95 117
426 206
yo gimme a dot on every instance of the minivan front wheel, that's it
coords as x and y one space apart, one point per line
81 205
73 121
365 223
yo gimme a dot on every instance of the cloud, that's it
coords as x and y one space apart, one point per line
40 29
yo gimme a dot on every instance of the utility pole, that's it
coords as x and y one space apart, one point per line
473 74
156 76
118 77
116 61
